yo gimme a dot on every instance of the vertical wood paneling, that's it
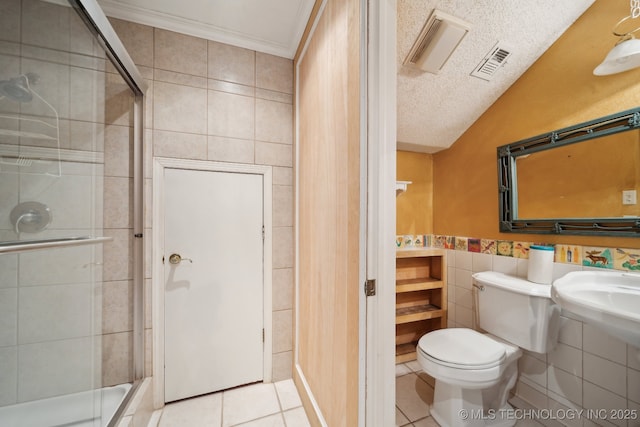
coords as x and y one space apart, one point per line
328 178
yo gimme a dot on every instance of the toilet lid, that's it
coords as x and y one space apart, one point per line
462 346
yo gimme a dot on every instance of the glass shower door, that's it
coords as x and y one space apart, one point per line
66 221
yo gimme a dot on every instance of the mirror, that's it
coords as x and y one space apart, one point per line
582 179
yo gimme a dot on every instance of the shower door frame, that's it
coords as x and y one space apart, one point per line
99 25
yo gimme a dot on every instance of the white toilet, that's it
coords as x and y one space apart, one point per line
474 372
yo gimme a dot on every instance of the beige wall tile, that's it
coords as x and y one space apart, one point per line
282 176
282 331
179 52
231 63
273 154
238 89
8 268
117 306
282 205
8 375
274 122
271 95
8 317
87 93
282 247
230 149
282 289
282 366
45 24
179 108
119 101
274 73
55 266
118 260
86 136
118 202
137 39
118 151
10 20
117 358
179 145
180 79
231 115
73 364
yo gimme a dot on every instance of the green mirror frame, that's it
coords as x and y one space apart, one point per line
508 187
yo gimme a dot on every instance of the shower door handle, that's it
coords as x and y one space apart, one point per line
177 259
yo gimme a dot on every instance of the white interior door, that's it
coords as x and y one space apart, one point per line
214 296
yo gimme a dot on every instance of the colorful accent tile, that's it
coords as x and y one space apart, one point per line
521 250
418 241
462 244
597 257
438 241
568 254
488 246
450 242
428 240
475 245
504 247
627 259
399 241
408 241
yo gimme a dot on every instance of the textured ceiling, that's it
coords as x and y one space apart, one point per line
435 109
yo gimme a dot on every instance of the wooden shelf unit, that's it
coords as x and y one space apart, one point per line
421 297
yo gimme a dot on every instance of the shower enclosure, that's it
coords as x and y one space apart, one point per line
71 322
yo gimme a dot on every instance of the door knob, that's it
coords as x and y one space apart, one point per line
177 259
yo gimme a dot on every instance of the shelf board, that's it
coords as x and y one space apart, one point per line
418 312
406 352
424 283
419 252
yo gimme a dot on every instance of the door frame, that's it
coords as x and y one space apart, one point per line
381 78
157 250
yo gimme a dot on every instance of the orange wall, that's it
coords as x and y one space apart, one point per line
557 91
414 207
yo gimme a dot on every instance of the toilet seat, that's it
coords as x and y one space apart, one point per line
462 348
465 357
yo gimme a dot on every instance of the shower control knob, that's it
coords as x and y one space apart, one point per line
177 259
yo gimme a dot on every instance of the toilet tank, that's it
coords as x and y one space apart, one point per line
518 311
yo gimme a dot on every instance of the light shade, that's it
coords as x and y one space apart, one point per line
624 56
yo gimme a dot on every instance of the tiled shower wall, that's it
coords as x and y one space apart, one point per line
588 368
211 101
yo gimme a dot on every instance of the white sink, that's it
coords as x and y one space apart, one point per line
608 300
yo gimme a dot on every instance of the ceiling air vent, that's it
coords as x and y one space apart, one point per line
439 37
495 59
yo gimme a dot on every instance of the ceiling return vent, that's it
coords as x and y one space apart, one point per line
440 36
495 59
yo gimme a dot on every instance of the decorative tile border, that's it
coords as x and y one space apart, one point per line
587 256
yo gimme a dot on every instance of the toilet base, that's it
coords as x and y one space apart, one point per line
454 406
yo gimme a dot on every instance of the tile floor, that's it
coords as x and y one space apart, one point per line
279 405
257 405
414 394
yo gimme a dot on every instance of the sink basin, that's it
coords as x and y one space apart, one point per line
607 300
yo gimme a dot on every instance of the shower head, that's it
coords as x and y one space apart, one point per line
18 88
